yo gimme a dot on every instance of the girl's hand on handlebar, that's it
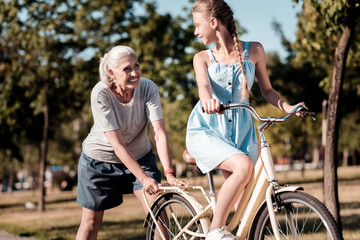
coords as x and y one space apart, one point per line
299 113
212 106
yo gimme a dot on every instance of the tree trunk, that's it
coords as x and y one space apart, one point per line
11 175
333 119
345 162
44 147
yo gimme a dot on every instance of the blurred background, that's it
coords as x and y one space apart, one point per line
49 56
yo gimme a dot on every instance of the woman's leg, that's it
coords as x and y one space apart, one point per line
90 224
151 199
238 172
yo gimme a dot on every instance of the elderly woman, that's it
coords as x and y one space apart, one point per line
116 156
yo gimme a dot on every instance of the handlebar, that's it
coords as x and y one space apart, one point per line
266 119
224 107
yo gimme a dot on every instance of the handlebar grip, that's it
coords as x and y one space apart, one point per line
223 107
298 108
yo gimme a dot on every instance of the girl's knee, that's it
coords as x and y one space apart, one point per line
240 165
245 162
244 168
250 165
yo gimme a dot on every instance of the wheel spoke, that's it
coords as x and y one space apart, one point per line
301 216
173 212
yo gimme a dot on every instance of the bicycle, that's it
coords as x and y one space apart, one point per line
267 210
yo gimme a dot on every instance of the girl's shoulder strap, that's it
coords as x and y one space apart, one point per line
212 59
246 50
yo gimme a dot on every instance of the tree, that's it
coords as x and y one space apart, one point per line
327 26
164 47
340 58
38 63
50 52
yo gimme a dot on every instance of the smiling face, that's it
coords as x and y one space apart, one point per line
204 28
127 73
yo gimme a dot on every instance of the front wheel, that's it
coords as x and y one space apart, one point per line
173 212
300 216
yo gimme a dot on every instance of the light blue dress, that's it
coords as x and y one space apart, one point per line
212 138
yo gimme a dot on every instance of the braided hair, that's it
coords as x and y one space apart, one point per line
220 10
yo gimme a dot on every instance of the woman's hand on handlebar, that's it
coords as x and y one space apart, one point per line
212 106
151 185
299 113
173 181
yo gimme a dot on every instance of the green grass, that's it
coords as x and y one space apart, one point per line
62 216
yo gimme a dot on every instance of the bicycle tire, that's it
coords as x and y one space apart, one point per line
178 213
312 220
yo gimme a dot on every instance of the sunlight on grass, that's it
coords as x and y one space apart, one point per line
62 216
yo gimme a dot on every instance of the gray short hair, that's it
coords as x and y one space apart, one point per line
110 60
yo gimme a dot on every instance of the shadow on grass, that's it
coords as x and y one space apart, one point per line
350 222
350 205
133 229
124 230
315 180
53 233
72 199
47 202
11 205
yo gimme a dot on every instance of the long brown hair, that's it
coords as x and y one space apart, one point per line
220 10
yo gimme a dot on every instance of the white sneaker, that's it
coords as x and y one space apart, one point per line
219 233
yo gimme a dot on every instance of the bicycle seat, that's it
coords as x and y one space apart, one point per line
188 159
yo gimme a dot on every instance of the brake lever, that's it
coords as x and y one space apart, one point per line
311 114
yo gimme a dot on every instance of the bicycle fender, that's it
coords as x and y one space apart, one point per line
289 189
148 216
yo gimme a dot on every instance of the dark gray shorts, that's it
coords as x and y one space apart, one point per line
102 184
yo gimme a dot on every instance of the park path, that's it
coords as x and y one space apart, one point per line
7 236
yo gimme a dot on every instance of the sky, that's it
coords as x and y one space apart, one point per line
256 16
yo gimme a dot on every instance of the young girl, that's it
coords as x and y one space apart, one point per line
225 74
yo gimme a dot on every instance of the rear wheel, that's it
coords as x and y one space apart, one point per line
172 212
301 216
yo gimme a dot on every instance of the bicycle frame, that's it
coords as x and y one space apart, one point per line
262 186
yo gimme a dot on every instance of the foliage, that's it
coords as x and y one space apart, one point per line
42 68
320 25
340 18
319 31
292 137
350 126
56 45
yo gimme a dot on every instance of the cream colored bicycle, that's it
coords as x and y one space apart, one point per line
267 210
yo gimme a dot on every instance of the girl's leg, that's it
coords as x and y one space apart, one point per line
238 170
90 224
226 174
